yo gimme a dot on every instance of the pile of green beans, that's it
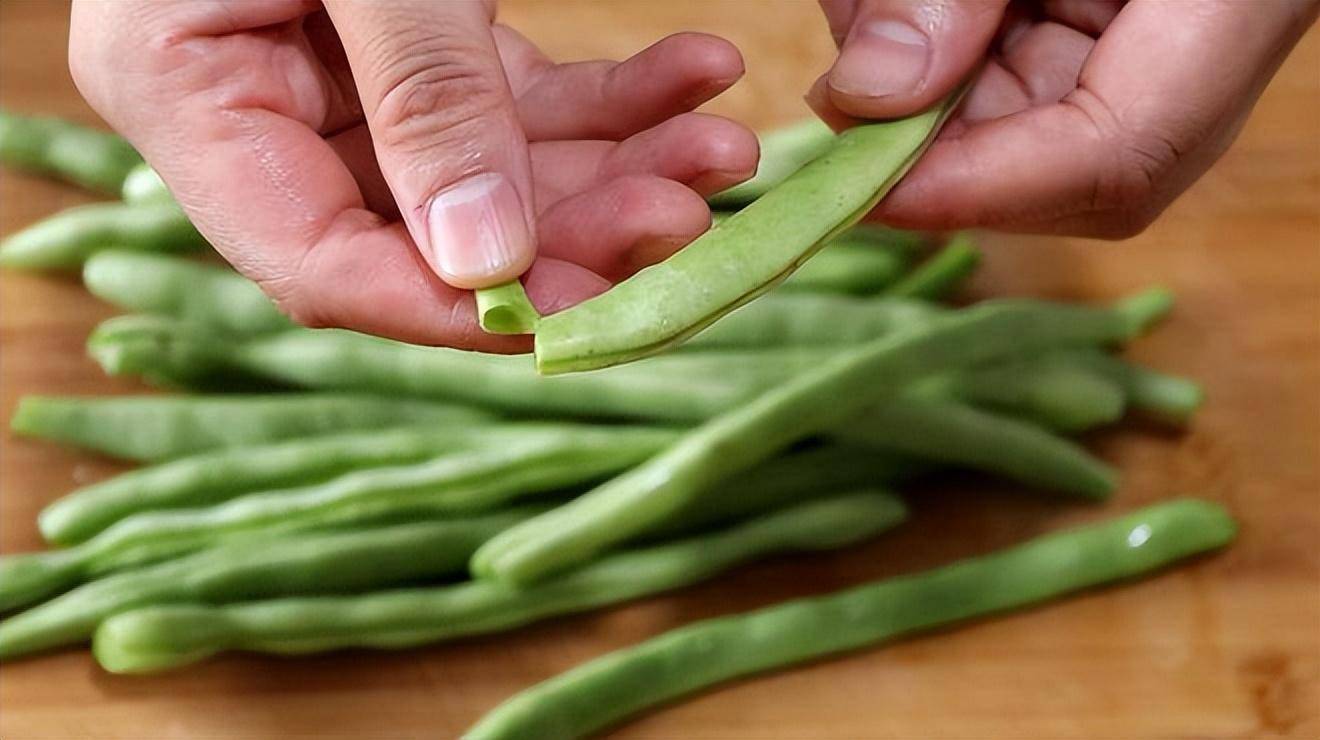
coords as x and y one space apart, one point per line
317 490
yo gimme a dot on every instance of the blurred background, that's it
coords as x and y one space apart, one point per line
1230 648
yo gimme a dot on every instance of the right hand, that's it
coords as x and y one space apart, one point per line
370 163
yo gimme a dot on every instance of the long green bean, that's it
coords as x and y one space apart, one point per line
678 388
958 434
211 477
1058 395
536 458
211 296
155 638
810 403
297 564
64 241
744 256
98 160
153 428
608 689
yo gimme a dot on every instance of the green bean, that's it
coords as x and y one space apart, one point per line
814 401
679 388
1055 394
809 319
143 185
211 296
957 434
155 638
536 458
152 428
64 241
505 309
211 477
744 256
937 276
783 152
316 563
97 160
1169 398
608 689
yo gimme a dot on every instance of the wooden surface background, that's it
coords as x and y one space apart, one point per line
1228 647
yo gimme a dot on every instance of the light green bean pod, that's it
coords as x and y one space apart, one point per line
295 564
155 638
608 689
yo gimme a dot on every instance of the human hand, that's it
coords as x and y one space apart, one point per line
367 163
1089 117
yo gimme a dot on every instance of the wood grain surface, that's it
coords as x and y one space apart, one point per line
1228 647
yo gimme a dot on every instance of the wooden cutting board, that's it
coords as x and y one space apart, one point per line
1228 647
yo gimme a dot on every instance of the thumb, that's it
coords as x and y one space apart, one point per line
446 133
898 57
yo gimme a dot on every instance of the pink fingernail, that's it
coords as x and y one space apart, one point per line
477 232
882 58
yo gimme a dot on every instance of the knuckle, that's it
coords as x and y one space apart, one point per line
437 99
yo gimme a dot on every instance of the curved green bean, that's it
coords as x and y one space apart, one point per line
608 689
97 160
744 256
64 241
221 474
153 428
316 563
155 638
783 151
812 402
532 459
211 296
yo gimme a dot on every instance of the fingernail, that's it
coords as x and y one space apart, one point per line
881 58
477 232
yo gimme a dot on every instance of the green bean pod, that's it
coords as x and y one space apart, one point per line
532 459
155 638
957 434
154 428
64 241
210 296
675 389
97 160
218 475
608 689
746 255
297 564
812 402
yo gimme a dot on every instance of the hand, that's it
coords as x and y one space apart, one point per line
368 163
1088 117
